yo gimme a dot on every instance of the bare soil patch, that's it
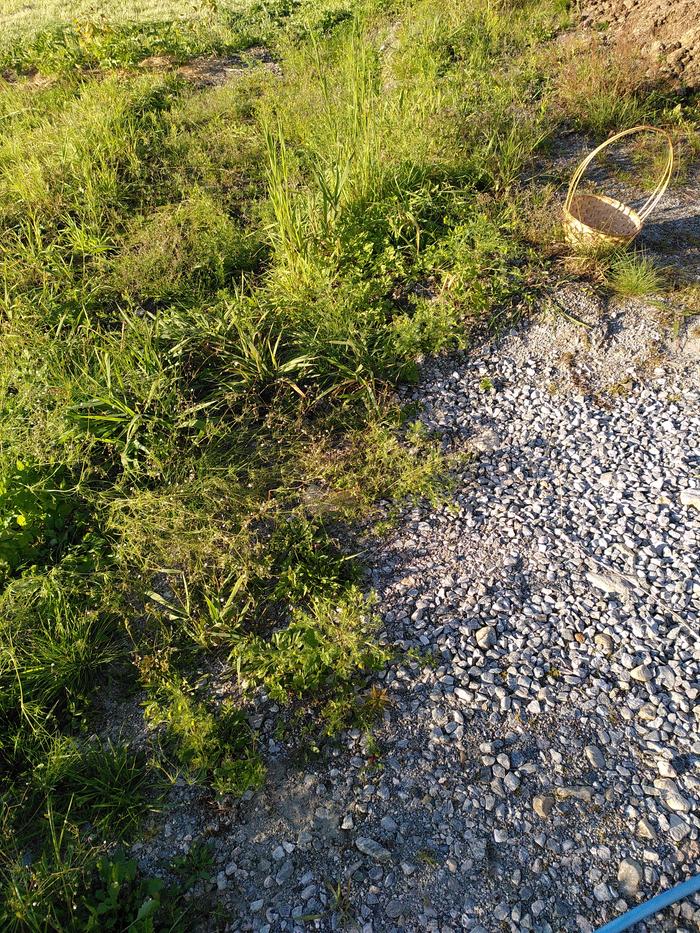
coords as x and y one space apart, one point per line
213 70
666 33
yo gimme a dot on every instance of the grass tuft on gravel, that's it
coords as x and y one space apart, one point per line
634 275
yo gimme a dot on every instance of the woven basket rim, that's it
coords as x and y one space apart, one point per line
614 202
632 221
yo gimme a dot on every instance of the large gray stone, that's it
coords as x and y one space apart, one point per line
372 848
630 875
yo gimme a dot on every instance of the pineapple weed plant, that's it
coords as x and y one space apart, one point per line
206 296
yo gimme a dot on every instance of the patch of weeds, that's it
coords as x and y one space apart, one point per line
104 44
371 464
634 275
680 306
373 704
107 785
349 710
341 900
43 892
194 866
427 857
422 656
323 647
385 526
373 752
179 250
54 647
193 530
122 400
305 561
75 887
486 384
649 158
619 389
122 898
540 220
217 747
212 620
599 91
41 515
586 263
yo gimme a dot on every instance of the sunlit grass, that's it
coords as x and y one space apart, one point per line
634 275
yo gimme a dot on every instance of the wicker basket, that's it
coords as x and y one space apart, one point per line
595 222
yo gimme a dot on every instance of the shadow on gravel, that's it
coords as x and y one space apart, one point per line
672 233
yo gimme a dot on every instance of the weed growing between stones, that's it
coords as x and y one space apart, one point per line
634 275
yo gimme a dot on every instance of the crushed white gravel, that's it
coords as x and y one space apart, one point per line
542 771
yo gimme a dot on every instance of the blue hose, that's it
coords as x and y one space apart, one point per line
637 914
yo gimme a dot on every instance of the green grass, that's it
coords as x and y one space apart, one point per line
207 295
27 17
601 92
634 275
216 749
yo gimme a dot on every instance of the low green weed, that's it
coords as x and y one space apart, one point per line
195 865
601 92
342 901
75 887
207 746
43 893
321 648
305 562
41 515
107 785
122 900
348 709
122 400
55 645
183 249
370 464
89 45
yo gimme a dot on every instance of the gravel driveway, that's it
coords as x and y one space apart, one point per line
538 765
543 771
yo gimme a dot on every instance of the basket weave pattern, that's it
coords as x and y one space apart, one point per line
594 221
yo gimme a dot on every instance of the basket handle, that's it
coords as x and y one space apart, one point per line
658 191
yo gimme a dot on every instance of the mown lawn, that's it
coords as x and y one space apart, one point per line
20 19
206 295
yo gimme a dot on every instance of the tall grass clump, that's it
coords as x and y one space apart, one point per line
634 275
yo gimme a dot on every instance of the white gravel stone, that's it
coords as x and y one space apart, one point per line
630 875
543 805
486 637
595 757
608 584
691 498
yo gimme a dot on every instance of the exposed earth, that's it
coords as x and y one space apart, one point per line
665 34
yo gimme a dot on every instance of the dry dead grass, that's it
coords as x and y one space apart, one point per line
597 90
